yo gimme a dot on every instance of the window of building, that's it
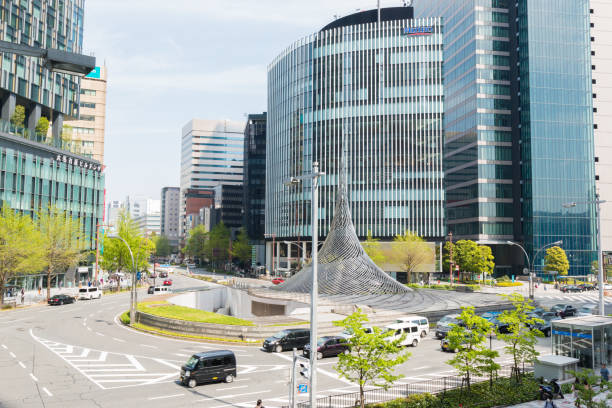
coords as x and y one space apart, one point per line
88 105
90 92
88 117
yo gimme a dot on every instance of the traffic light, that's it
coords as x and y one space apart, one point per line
305 370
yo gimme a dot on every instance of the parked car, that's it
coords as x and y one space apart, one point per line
60 300
564 311
211 366
587 310
348 333
287 340
92 292
278 281
490 315
151 290
328 346
586 286
499 326
167 282
420 321
570 289
160 290
445 346
445 324
544 324
163 274
153 275
397 330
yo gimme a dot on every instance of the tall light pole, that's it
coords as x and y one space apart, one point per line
132 297
600 278
531 266
314 293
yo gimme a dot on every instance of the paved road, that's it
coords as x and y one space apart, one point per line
77 355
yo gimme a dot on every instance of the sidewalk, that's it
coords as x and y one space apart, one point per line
567 402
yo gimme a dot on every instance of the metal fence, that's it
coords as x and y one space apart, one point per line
377 395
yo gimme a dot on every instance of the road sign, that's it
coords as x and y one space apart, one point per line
525 271
302 388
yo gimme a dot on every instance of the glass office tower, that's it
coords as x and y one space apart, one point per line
557 128
373 95
518 126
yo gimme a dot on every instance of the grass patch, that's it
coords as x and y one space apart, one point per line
155 330
508 284
170 311
125 317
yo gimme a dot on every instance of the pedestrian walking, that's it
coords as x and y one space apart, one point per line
605 373
549 404
39 289
22 296
259 404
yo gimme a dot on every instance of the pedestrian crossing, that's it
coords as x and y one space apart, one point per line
586 297
113 370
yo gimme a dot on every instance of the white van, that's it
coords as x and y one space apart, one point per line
160 290
420 321
411 331
89 293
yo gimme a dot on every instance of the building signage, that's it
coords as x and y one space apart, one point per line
418 30
95 73
78 162
572 334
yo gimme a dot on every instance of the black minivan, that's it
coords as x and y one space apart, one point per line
287 340
207 367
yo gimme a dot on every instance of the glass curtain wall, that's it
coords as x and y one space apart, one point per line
380 91
557 129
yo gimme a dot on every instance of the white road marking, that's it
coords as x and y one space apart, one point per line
230 396
165 396
231 388
12 354
327 373
119 340
22 365
89 328
47 391
146 345
181 355
33 377
100 334
4 347
421 368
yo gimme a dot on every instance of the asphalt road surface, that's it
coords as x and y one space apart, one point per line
78 355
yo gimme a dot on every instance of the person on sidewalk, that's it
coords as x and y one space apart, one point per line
22 296
259 404
549 404
605 373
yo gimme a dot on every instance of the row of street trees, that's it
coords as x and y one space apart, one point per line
51 242
469 256
373 357
216 247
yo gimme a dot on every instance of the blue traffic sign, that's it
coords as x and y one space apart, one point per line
138 275
302 388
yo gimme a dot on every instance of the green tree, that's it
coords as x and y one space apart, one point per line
196 243
412 252
468 338
18 117
116 256
485 262
63 242
520 339
446 251
372 358
241 248
20 246
217 245
42 127
371 246
162 245
556 261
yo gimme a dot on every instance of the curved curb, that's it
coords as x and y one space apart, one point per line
180 338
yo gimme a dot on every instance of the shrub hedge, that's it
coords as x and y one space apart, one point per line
508 284
505 391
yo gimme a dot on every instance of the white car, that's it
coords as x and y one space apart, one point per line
411 330
348 333
92 292
420 321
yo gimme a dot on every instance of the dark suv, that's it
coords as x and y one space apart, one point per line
287 340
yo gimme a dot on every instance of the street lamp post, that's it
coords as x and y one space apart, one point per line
132 294
600 278
314 293
530 265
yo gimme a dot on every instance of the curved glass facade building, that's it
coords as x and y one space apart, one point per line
375 94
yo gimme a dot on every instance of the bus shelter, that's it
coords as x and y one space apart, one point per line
586 338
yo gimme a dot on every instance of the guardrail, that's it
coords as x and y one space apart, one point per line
378 395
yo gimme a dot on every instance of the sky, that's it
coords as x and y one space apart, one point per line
171 61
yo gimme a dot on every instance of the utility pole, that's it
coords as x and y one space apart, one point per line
450 267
